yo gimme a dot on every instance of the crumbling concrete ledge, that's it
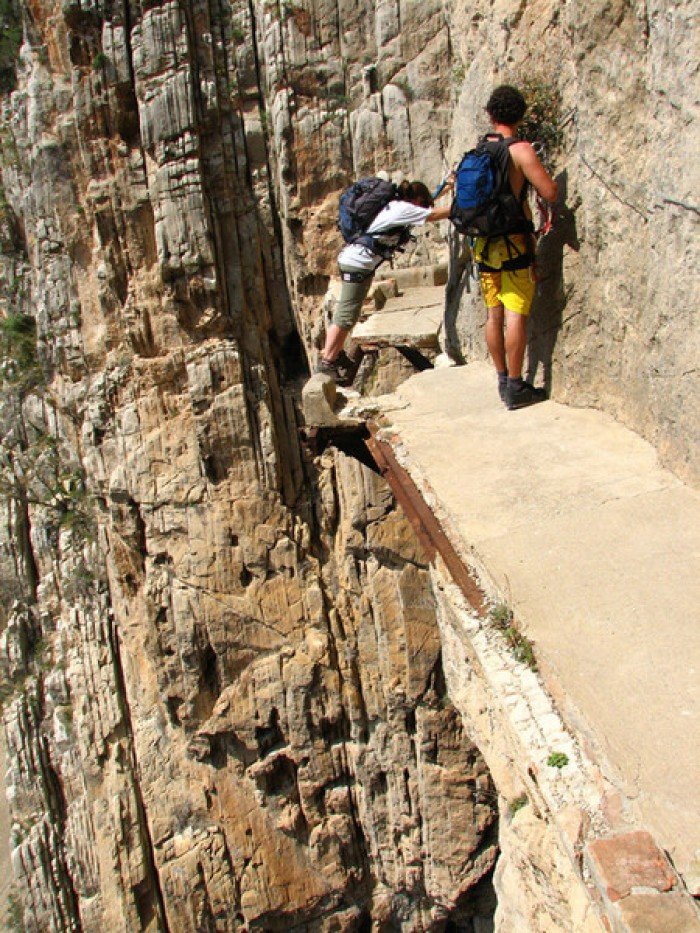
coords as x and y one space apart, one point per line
566 518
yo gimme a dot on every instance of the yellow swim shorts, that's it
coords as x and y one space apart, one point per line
512 288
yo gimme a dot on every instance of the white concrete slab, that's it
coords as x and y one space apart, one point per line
597 550
413 320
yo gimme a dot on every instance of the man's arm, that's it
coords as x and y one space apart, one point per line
527 161
440 213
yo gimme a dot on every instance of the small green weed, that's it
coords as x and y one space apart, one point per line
502 617
558 760
459 73
99 62
517 804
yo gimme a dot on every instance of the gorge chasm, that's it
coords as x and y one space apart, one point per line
223 690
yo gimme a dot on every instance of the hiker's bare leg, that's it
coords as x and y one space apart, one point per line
335 338
516 342
494 337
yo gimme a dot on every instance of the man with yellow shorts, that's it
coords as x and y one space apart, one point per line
506 262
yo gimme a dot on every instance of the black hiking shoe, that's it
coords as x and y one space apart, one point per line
338 373
523 395
503 392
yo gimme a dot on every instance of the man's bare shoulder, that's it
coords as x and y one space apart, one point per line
528 162
522 150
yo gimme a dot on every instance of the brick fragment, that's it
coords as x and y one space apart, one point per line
632 860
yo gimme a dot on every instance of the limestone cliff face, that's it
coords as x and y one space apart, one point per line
226 707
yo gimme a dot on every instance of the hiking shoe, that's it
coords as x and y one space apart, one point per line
523 396
503 392
337 372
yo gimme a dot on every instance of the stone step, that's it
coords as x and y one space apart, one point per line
412 319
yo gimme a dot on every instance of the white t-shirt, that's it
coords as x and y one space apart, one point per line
395 214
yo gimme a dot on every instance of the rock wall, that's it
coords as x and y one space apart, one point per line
614 323
225 706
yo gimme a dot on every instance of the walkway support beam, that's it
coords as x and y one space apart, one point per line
425 524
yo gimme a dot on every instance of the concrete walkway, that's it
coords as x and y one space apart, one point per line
567 517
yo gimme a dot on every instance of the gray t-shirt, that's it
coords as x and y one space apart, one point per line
395 214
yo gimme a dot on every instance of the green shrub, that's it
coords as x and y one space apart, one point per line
14 916
543 121
17 345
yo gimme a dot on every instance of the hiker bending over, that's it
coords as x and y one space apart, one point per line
506 262
412 206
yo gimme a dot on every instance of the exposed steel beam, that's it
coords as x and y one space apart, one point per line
421 517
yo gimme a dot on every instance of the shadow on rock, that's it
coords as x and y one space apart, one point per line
551 296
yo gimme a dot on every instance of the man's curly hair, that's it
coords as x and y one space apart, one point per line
506 105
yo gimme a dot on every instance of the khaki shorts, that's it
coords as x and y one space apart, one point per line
512 288
352 296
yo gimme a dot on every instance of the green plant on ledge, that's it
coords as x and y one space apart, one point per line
502 617
558 760
35 469
18 358
13 917
10 42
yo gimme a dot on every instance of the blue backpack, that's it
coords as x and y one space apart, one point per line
484 204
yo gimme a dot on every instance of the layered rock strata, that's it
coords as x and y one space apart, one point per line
226 706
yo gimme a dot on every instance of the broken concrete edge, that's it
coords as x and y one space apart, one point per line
534 727
580 815
577 810
637 878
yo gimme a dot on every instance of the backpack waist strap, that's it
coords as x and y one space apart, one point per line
510 265
516 259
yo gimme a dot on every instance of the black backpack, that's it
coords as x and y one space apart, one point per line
359 205
484 204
